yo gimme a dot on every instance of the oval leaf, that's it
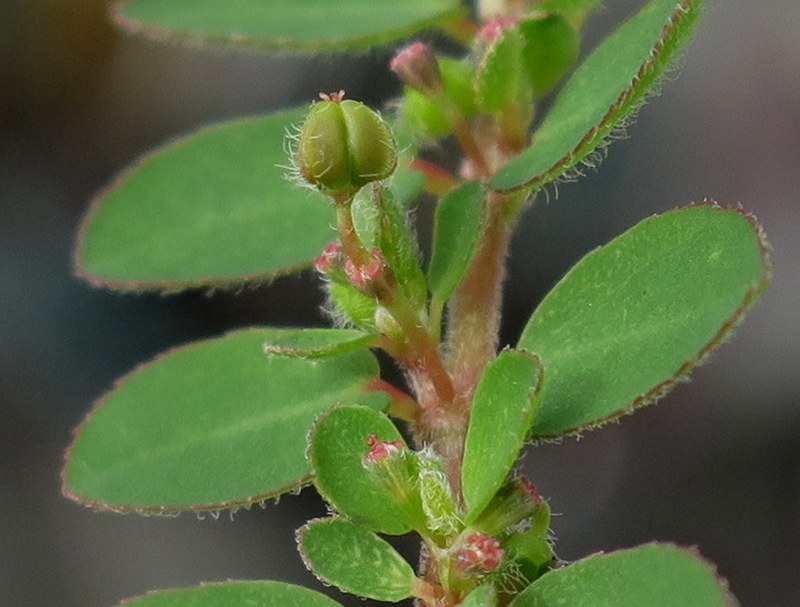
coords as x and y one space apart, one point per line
502 412
317 343
459 222
607 87
355 560
311 25
574 10
338 445
500 80
213 208
632 318
482 596
234 594
654 574
551 47
212 425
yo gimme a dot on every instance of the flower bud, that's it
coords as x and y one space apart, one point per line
478 554
366 274
391 465
344 145
380 450
330 258
416 66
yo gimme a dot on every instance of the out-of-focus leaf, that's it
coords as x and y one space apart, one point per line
234 594
284 25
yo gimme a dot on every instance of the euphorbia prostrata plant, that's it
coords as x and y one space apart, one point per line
232 421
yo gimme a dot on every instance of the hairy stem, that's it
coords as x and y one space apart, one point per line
474 309
420 354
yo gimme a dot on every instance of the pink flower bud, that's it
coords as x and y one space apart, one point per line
331 254
366 274
495 28
416 66
480 553
380 450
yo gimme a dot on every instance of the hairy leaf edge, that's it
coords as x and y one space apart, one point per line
200 39
724 333
213 508
128 601
533 396
300 532
626 105
692 550
343 347
169 287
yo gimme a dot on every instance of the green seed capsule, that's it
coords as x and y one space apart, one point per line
343 146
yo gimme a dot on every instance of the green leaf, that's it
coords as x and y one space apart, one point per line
397 241
355 560
351 306
557 6
551 47
287 25
654 574
318 343
457 231
216 424
338 445
632 318
234 594
482 596
605 89
531 549
213 208
574 10
406 186
500 78
502 412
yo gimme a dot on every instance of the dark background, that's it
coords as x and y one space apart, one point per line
717 464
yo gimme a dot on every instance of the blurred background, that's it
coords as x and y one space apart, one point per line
715 465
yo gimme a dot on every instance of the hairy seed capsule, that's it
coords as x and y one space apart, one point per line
343 146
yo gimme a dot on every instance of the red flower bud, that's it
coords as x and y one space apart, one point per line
380 450
479 553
